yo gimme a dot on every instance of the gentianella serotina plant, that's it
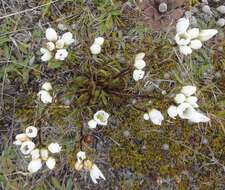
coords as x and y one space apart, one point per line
37 154
96 47
191 39
187 107
86 164
139 65
100 118
44 94
56 45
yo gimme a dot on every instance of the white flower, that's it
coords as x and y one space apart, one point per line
81 156
139 64
183 38
172 111
44 96
27 147
50 163
46 86
146 116
96 174
198 118
95 49
46 54
31 131
68 38
51 34
44 154
188 90
34 165
61 54
99 41
179 98
50 46
193 32
186 50
221 9
156 116
35 154
54 148
192 100
101 117
196 44
205 35
22 137
182 25
92 124
139 56
59 44
221 22
138 74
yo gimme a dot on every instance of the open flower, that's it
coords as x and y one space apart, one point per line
27 147
155 116
54 148
101 117
44 96
31 131
183 38
61 54
50 163
138 74
34 165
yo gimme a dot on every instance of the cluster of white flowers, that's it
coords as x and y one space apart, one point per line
186 106
44 94
96 47
56 45
83 163
100 118
155 116
139 65
189 39
37 155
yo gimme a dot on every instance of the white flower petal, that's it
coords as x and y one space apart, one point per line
54 148
185 50
138 74
196 44
101 117
61 54
192 100
22 137
96 174
34 165
139 64
95 49
185 111
194 32
51 163
182 39
51 34
182 25
172 111
188 90
99 41
139 56
35 154
205 35
31 131
59 44
68 38
44 96
156 116
179 98
46 86
27 147
92 124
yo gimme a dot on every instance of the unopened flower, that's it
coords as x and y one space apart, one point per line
172 111
68 38
61 54
46 54
51 34
51 163
44 154
50 46
156 116
46 86
95 49
92 124
96 174
34 165
54 148
139 64
99 41
138 74
205 35
44 96
101 117
27 147
31 131
188 90
179 98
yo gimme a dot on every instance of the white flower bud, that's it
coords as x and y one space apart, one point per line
99 41
34 165
138 74
95 49
139 64
156 116
68 38
51 163
54 148
44 96
92 124
50 46
51 34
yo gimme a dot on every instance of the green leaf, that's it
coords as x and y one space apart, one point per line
53 64
69 185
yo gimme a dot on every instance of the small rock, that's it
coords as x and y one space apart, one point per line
167 76
62 27
221 9
221 22
126 134
206 9
165 147
204 141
